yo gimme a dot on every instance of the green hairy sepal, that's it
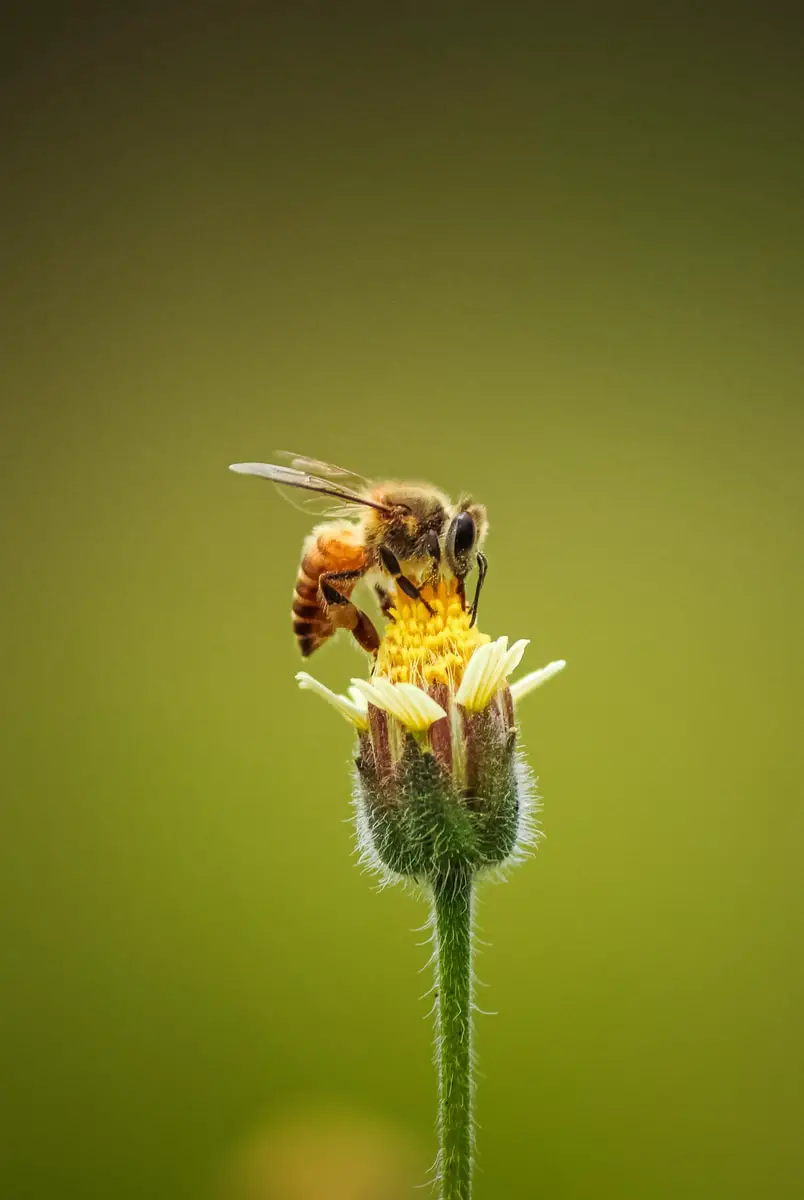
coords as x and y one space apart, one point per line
419 819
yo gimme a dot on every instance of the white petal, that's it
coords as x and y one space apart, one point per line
409 704
426 709
473 675
492 672
485 672
354 712
392 700
359 699
514 656
372 693
536 678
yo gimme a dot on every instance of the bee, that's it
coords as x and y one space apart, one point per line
411 534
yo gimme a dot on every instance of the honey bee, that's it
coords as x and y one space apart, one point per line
408 533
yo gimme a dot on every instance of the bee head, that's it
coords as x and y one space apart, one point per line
465 535
414 527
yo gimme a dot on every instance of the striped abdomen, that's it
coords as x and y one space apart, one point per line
332 548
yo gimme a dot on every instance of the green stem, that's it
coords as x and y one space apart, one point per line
452 902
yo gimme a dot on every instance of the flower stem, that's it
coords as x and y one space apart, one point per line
452 904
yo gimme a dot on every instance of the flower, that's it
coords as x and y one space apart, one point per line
440 784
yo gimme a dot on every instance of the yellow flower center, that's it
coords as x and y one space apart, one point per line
425 648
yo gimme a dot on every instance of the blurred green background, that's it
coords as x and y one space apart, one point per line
551 257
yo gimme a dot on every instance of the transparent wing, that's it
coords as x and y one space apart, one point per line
318 505
315 466
293 477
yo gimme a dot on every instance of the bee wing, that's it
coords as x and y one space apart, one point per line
315 466
295 478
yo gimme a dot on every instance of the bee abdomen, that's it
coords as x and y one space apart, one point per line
310 623
329 550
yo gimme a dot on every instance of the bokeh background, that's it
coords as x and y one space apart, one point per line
550 254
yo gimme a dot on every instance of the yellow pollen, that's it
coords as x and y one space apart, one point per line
425 648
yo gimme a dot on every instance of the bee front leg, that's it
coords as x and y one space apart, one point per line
482 568
391 564
433 575
344 614
384 598
460 584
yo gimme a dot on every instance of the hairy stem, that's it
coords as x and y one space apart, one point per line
452 903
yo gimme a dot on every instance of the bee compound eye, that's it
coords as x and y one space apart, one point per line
463 533
433 547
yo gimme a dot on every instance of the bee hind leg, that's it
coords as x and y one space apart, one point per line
365 632
343 614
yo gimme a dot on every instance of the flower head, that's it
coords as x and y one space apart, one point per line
439 782
429 647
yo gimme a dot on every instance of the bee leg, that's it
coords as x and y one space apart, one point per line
434 548
384 597
365 632
346 615
331 594
482 568
391 564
